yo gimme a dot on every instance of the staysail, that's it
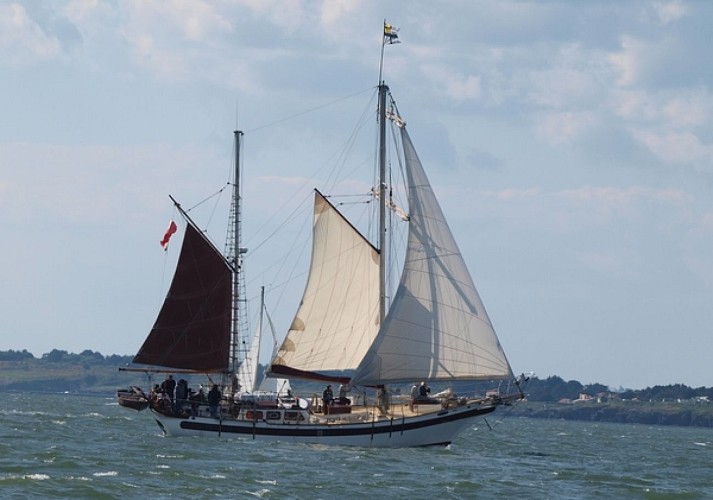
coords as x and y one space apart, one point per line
192 331
248 369
437 327
337 319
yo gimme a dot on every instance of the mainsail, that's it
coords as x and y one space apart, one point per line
337 319
192 331
437 327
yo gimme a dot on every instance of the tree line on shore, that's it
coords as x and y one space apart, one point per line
550 389
554 388
62 356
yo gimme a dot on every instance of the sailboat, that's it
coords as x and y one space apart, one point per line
434 329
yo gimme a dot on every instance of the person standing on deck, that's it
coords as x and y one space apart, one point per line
169 387
414 395
181 395
214 397
343 399
327 398
383 400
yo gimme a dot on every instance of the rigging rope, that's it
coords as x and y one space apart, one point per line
287 118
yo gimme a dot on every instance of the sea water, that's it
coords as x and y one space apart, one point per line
69 446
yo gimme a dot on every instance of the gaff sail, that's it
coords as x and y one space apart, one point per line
192 330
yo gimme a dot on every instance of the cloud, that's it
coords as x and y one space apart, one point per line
689 108
679 108
587 210
610 198
22 40
165 36
635 105
90 183
195 21
677 148
669 12
572 74
458 87
512 194
611 262
671 124
558 128
630 60
333 12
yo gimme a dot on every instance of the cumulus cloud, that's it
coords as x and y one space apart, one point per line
634 105
334 12
22 40
689 108
677 147
164 35
457 86
621 198
558 128
629 61
669 12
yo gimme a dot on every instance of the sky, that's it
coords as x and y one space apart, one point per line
570 143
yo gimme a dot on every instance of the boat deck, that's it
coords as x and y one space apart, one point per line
299 413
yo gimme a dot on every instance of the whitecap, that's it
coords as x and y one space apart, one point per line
36 477
259 493
108 473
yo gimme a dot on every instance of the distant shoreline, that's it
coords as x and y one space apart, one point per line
684 414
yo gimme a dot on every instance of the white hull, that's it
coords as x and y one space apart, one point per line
437 428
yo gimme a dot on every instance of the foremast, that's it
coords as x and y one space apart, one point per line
234 252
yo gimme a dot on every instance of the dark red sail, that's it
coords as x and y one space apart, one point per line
192 331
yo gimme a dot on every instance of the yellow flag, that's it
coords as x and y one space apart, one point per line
390 33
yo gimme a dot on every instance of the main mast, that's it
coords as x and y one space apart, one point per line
382 200
389 36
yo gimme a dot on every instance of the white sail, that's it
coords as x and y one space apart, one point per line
437 327
337 319
279 386
247 371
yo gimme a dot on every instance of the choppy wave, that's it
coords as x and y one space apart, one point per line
82 447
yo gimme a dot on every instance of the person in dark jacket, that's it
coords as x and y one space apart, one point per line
214 397
169 388
327 397
181 395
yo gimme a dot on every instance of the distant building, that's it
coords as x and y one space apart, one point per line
583 398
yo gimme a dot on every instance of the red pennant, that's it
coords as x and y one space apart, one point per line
167 235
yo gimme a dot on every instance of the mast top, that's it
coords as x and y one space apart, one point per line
390 36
